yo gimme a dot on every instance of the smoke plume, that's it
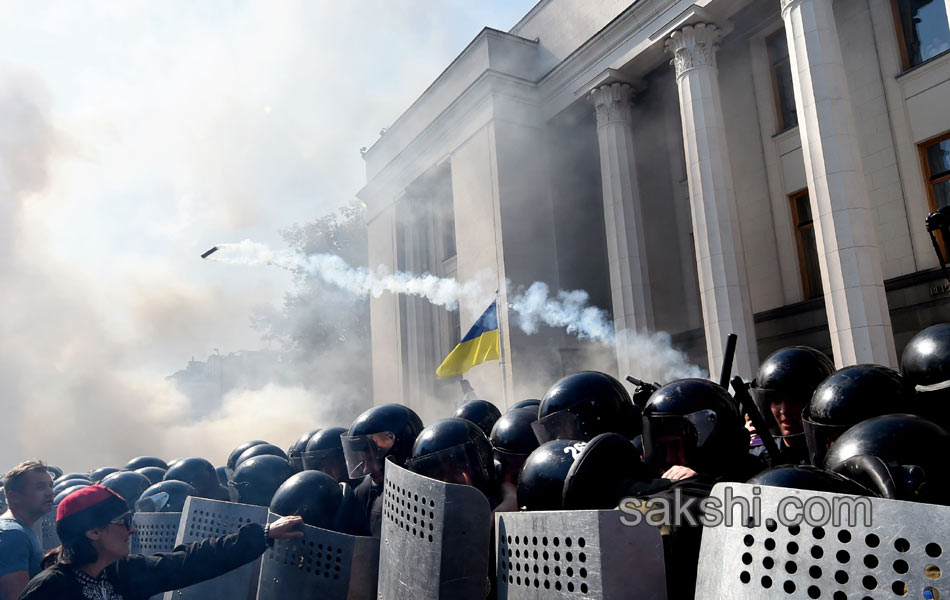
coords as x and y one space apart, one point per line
570 310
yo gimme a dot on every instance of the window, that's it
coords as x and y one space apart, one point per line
935 156
807 247
782 88
922 28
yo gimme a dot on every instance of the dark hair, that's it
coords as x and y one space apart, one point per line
51 558
78 552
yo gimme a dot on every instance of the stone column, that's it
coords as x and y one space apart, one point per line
626 244
851 274
724 290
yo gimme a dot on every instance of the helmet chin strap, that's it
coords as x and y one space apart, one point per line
794 435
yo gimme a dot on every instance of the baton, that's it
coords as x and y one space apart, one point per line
746 402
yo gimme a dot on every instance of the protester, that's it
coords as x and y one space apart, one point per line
94 526
29 490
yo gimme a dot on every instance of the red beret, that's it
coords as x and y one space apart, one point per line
87 508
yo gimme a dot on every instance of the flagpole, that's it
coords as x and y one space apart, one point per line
502 336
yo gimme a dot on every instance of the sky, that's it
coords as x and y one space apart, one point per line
134 136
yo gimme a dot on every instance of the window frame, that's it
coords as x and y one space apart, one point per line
776 93
902 41
807 292
929 180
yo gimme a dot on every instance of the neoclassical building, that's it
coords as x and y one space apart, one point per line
701 167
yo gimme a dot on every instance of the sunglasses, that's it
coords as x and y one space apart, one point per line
125 520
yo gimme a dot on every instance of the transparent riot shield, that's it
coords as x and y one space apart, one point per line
202 519
324 565
435 539
578 554
45 529
808 544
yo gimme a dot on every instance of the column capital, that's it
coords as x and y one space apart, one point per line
693 46
612 102
786 4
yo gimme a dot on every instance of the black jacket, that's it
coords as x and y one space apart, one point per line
138 577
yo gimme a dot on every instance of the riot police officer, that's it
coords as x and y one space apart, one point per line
382 432
783 385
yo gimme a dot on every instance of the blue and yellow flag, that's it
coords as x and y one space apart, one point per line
479 344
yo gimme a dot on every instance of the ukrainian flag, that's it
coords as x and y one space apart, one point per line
479 344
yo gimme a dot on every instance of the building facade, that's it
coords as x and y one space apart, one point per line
701 167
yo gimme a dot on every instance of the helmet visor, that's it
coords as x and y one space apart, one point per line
670 439
764 398
562 425
460 464
319 460
819 438
364 454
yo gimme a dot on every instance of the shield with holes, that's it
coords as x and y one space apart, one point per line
154 532
324 565
202 519
578 554
435 539
45 529
804 544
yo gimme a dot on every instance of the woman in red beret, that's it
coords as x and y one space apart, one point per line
94 526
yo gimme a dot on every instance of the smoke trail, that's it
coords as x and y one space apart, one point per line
531 307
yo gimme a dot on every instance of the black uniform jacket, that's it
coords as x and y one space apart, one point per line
138 577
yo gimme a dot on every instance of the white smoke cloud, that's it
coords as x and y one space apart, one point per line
655 358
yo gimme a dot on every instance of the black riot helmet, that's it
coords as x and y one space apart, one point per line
101 473
925 365
481 412
222 473
847 397
69 489
62 482
198 473
69 476
532 403
166 496
512 440
145 461
586 404
236 453
260 450
455 451
383 431
324 452
808 477
541 483
298 448
154 474
790 376
925 362
695 423
127 484
603 473
900 456
312 495
256 479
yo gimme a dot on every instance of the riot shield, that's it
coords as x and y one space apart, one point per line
578 554
808 544
202 519
45 529
155 532
324 565
435 539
